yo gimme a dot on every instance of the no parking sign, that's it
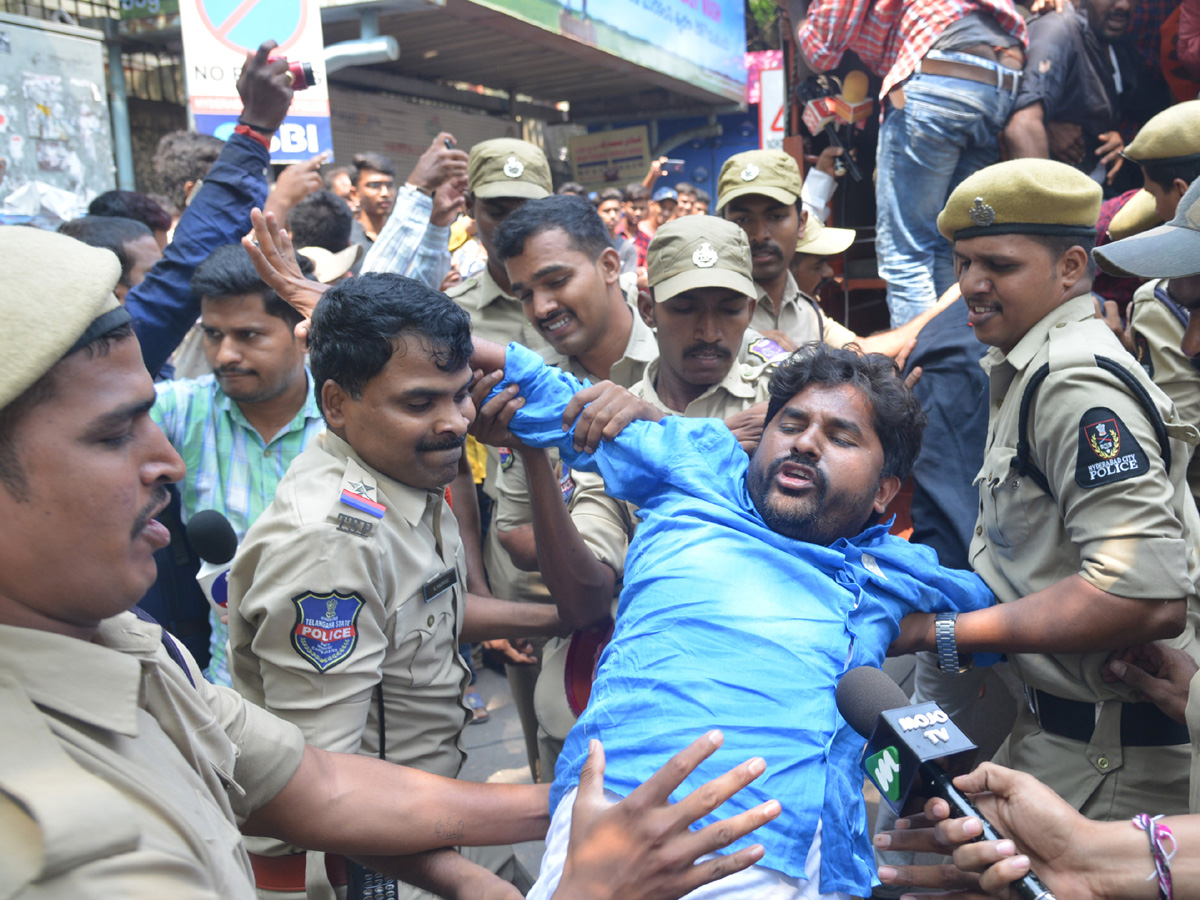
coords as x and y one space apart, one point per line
217 35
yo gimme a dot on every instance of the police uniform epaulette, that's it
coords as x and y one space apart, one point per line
358 506
37 775
457 290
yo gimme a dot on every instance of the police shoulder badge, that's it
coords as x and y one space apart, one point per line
513 167
506 458
981 214
1108 452
766 350
705 256
326 630
750 172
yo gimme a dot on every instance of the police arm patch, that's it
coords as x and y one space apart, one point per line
1108 451
326 630
1141 349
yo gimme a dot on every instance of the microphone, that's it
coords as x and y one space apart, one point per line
215 542
820 114
851 106
904 741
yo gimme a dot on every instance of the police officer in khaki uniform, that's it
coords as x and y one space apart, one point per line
348 598
1168 150
759 190
1087 533
700 302
122 772
604 340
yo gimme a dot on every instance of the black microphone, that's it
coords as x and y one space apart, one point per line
215 542
904 741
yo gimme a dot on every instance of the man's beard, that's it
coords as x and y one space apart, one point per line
812 523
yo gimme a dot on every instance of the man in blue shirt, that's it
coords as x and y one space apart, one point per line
752 584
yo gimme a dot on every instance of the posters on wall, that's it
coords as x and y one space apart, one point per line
610 158
55 142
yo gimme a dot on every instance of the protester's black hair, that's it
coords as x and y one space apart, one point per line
131 205
110 232
635 192
229 272
897 416
322 219
575 216
685 187
361 323
1164 174
374 162
12 474
571 187
703 196
609 194
184 156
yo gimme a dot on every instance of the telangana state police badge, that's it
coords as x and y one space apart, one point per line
326 630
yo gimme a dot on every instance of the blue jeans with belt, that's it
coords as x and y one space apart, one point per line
947 130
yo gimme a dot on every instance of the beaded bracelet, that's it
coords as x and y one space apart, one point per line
1160 836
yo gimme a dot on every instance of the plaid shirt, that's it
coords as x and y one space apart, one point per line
229 466
891 36
408 244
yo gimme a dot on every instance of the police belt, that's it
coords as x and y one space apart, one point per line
1142 724
286 873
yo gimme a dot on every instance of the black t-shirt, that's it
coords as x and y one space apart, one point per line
1070 71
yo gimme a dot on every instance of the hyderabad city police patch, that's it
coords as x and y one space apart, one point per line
1107 450
326 629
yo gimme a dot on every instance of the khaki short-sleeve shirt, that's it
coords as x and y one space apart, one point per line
119 777
328 602
799 317
1157 332
1114 514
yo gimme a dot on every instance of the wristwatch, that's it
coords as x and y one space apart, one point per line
950 660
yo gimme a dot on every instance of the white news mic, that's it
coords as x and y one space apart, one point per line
215 542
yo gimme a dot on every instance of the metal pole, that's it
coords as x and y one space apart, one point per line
118 108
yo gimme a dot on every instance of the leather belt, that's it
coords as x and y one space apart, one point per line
286 873
1142 724
1005 81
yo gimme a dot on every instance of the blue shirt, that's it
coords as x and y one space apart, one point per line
724 623
162 306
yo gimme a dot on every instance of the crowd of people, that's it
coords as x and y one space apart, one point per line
614 442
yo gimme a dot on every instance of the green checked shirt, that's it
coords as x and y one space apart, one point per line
229 466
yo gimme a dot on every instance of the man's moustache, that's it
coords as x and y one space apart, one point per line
451 443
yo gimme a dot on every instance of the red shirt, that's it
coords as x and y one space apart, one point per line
891 36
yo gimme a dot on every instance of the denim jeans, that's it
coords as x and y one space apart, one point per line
947 130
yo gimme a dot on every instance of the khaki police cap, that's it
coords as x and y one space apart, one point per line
699 252
1139 213
56 296
771 173
1168 251
1173 136
1022 196
821 240
507 167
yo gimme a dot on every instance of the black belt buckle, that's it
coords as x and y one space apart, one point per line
1142 724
